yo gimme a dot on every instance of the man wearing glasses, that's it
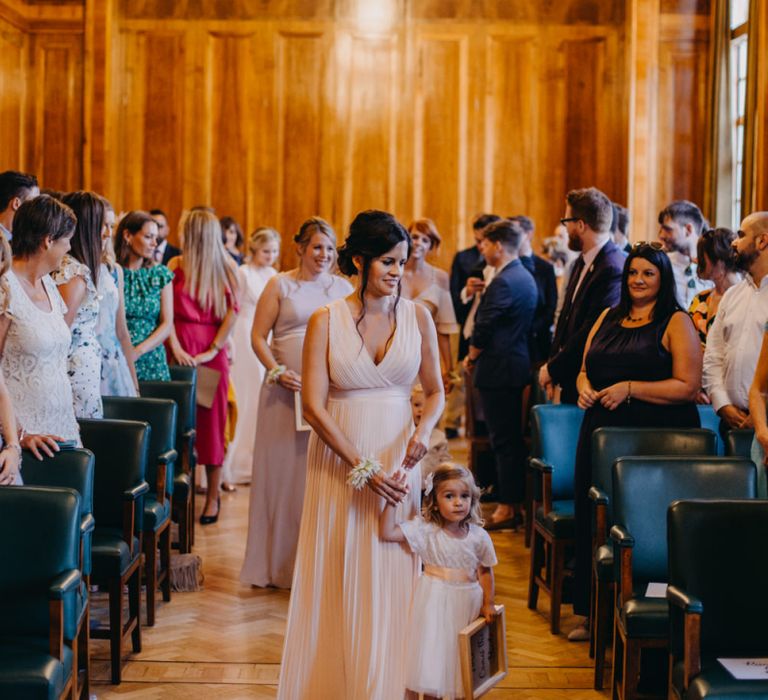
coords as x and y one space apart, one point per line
594 284
680 225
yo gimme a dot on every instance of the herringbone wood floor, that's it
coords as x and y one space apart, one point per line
225 641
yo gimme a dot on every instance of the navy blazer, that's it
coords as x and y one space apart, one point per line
465 264
541 332
502 329
600 289
171 251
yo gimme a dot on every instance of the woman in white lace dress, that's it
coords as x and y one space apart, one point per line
34 336
78 277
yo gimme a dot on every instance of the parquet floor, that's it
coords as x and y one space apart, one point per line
225 641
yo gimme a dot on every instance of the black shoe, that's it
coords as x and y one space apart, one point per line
211 519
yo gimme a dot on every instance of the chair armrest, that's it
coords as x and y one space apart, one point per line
540 465
133 493
64 583
168 456
687 603
162 478
599 521
190 434
621 537
597 496
87 524
622 561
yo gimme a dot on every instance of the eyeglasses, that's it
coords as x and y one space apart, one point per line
656 245
571 218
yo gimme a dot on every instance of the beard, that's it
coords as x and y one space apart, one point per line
575 243
745 259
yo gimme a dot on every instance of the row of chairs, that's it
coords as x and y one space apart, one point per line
126 486
687 468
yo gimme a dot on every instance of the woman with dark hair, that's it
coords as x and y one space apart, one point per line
148 294
232 238
348 617
641 368
78 277
715 263
280 448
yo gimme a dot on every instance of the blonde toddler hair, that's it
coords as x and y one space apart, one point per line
260 237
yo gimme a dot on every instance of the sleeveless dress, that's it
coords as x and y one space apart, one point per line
196 328
619 354
247 375
84 364
348 617
34 362
433 662
116 379
280 451
142 291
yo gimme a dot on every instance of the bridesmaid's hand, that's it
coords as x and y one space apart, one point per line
392 489
417 448
9 466
290 380
35 443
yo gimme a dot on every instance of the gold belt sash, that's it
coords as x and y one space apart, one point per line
450 575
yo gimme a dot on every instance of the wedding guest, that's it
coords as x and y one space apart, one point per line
232 238
77 278
641 367
34 335
247 371
280 452
621 234
15 189
204 311
437 452
148 295
164 251
717 265
118 373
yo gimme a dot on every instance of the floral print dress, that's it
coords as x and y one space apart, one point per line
84 361
142 290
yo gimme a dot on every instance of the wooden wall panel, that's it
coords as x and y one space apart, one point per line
13 52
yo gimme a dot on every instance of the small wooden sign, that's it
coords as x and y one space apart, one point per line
483 653
301 424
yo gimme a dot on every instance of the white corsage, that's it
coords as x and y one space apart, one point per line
360 474
429 483
274 373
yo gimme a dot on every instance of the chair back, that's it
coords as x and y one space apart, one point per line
738 443
161 416
711 421
72 469
121 448
715 555
608 444
183 393
556 431
41 540
643 488
181 373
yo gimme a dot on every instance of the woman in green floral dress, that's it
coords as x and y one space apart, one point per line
148 294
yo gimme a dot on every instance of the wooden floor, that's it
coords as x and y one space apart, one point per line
225 641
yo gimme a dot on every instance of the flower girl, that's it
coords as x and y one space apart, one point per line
457 583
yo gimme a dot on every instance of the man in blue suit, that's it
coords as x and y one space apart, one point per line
499 357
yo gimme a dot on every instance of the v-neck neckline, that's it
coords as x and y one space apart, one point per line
378 364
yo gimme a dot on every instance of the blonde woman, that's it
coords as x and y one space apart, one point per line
205 308
247 371
280 455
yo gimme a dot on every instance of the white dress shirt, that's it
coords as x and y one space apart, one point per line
733 344
687 282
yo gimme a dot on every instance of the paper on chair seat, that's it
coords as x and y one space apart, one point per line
656 590
747 669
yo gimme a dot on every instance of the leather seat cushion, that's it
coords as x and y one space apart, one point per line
155 514
110 554
559 521
604 563
29 672
715 683
646 618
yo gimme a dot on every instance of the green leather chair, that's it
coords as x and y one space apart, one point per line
121 448
183 504
72 469
161 416
643 488
718 606
608 444
558 429
738 443
711 421
39 582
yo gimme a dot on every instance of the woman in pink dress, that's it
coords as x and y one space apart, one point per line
205 308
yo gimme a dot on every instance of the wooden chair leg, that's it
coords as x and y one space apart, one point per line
602 623
618 659
529 514
536 555
558 572
165 561
184 529
192 508
83 645
150 574
134 607
115 627
631 669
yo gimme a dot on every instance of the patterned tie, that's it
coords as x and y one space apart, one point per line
570 292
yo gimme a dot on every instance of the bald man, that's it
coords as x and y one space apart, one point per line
733 343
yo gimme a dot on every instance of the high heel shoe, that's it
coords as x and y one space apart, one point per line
211 519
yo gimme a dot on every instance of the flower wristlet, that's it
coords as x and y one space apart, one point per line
360 474
274 373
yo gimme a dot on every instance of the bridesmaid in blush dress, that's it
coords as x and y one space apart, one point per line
280 451
348 617
204 312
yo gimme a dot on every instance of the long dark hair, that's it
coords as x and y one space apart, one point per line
666 301
86 242
371 234
131 223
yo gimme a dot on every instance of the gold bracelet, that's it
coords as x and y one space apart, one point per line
629 392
